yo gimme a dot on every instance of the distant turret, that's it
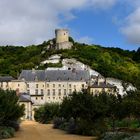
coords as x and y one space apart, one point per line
62 35
62 39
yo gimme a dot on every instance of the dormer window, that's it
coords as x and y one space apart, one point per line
36 79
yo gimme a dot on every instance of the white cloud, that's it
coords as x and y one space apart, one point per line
131 28
85 39
103 4
24 22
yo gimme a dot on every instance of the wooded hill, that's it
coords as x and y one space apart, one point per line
110 62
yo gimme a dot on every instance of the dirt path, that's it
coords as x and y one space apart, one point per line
34 131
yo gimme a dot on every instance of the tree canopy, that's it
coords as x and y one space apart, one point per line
110 62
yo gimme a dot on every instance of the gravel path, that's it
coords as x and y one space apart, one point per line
34 131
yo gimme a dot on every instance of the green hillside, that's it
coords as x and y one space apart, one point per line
110 62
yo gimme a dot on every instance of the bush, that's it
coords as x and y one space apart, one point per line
72 126
10 110
58 122
120 136
13 124
46 113
6 132
115 136
134 137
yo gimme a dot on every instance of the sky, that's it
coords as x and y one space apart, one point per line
110 23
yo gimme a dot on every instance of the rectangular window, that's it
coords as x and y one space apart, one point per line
48 92
59 85
6 84
59 92
18 85
47 85
42 92
27 85
41 98
36 91
53 92
70 91
74 86
65 92
28 91
82 85
69 85
53 85
36 85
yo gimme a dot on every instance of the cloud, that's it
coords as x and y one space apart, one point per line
85 39
103 4
131 28
25 22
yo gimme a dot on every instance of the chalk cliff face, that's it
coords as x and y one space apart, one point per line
74 64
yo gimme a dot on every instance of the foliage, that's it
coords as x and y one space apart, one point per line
86 114
46 113
10 110
110 62
115 136
6 132
83 114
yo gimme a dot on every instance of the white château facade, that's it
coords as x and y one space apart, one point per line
37 87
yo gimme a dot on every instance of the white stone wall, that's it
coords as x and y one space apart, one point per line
5 85
28 110
19 86
56 91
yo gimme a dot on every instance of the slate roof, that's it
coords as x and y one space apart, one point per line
102 85
6 78
55 75
24 98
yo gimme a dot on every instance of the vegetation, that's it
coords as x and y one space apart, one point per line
110 62
46 113
6 132
10 112
86 114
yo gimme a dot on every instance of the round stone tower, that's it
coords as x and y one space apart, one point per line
62 35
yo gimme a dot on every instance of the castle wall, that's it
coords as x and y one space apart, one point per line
64 45
62 35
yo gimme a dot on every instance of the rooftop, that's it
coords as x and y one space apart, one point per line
6 78
24 97
54 75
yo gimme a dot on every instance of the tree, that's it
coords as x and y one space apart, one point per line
10 110
46 113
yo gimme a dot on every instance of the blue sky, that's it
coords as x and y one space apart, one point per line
102 27
111 23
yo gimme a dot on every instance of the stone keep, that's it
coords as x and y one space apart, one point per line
62 39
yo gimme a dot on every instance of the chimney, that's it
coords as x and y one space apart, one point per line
33 70
98 82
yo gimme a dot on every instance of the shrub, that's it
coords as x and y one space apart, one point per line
72 126
58 122
46 113
6 132
134 137
13 124
10 110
